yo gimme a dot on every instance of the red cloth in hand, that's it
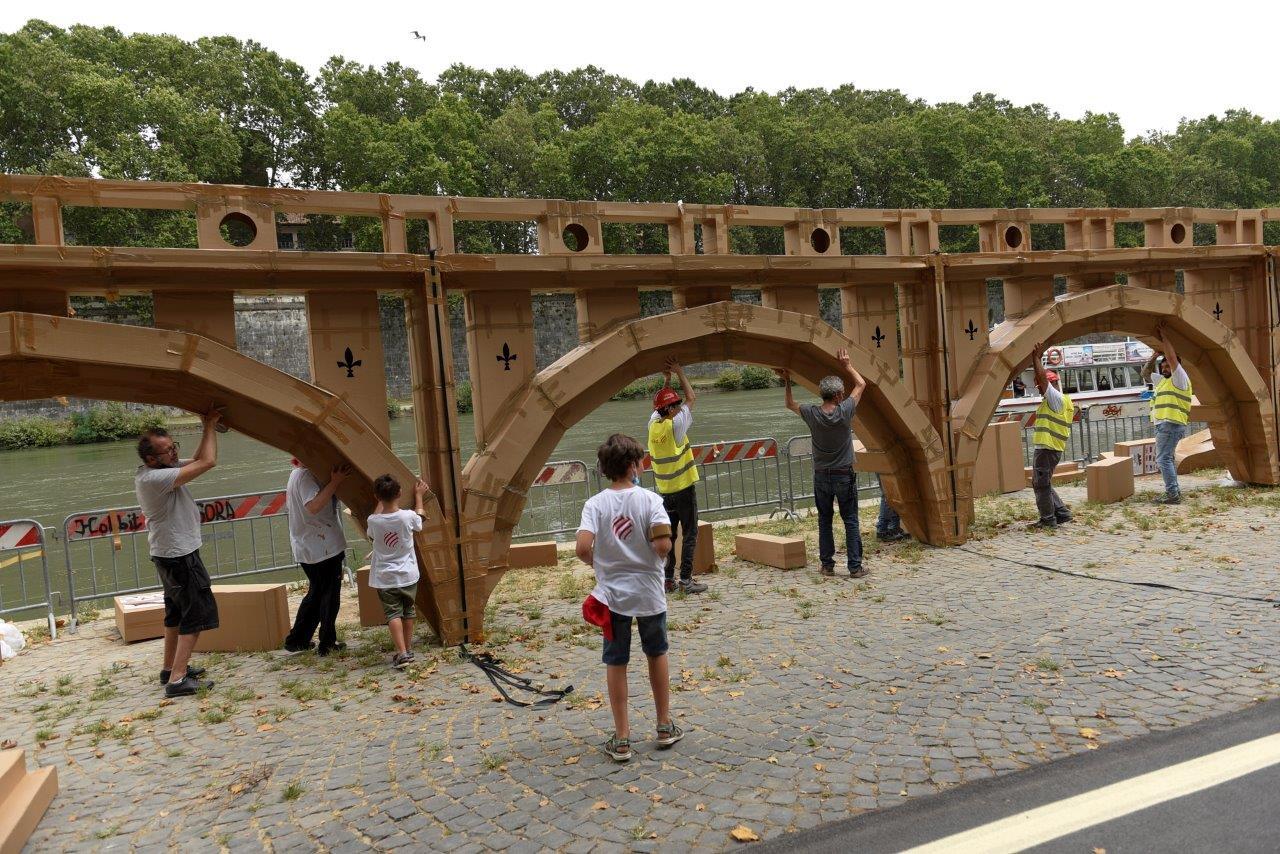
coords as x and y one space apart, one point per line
597 613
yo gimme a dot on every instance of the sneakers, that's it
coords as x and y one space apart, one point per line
828 569
1043 524
669 734
1175 498
619 749
185 687
688 585
192 671
858 572
894 536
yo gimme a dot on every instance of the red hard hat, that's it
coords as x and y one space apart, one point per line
1051 376
665 398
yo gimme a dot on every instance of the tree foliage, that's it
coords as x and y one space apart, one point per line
93 101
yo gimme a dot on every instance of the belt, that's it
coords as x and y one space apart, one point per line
848 470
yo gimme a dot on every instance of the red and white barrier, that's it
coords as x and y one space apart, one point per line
130 520
728 452
19 535
554 474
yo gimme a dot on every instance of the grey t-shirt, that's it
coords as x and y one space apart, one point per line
173 520
831 433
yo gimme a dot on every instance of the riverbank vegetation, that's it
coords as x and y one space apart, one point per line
107 423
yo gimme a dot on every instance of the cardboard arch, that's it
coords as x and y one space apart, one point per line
1233 396
44 356
496 478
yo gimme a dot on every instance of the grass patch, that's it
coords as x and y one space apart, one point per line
292 792
306 691
493 761
1047 664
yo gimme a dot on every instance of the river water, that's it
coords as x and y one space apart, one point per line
48 484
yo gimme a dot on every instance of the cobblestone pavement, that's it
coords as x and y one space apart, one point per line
805 699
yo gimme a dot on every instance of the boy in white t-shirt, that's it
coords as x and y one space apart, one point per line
393 569
625 536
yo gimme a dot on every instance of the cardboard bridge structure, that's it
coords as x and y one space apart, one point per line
915 322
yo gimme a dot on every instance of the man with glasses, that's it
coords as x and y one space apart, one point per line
173 539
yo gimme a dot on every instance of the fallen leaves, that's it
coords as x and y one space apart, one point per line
956 662
265 727
892 689
700 808
600 805
742 833
1113 673
572 760
1089 732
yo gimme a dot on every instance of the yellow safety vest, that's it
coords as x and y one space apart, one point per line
1053 429
673 465
1171 403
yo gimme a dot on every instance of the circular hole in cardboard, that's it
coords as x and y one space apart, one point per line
820 240
575 237
238 229
1013 237
1177 232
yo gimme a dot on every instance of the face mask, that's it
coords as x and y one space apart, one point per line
635 478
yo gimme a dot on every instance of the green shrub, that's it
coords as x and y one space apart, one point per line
462 394
110 423
641 388
37 432
729 380
756 377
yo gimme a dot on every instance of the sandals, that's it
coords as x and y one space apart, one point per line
669 734
619 749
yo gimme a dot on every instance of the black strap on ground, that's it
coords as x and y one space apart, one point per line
1156 585
503 679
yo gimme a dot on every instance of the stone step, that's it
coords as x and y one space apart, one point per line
23 808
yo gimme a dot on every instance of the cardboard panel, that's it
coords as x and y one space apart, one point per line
704 552
346 352
208 313
869 316
967 310
23 806
140 617
1109 480
782 552
1196 452
371 613
1023 293
46 221
41 301
252 618
1156 280
802 299
1141 453
523 555
922 349
501 353
1090 233
1004 236
601 309
692 297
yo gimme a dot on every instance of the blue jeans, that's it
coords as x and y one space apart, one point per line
1168 435
888 521
842 489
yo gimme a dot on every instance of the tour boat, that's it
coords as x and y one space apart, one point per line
1104 378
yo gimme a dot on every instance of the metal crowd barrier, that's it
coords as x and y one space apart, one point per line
800 474
733 475
21 536
107 555
554 501
1090 437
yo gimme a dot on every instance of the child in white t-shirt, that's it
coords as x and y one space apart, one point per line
393 569
625 536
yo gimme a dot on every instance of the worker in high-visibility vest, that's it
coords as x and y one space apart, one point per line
675 473
1052 431
1170 410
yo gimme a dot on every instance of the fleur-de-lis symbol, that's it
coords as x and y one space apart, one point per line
878 337
971 329
351 363
1217 311
506 357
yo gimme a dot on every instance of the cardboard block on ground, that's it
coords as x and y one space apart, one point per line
1109 479
24 798
704 553
1196 452
140 616
251 617
371 613
523 555
998 467
782 552
1142 452
1071 476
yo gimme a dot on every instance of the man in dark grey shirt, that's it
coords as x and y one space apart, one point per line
830 430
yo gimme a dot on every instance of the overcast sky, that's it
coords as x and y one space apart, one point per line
1152 64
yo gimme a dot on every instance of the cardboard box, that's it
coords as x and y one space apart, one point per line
24 798
704 552
140 616
1196 452
998 467
251 617
1071 476
522 555
371 613
782 552
1142 452
1109 480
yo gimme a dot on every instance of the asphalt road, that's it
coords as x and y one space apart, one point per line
1239 815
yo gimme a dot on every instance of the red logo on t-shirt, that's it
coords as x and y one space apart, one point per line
622 527
391 539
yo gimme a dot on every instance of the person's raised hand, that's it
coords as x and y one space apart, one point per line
420 488
212 417
672 365
842 355
339 473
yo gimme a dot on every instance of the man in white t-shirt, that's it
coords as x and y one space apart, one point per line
625 536
315 533
173 540
1170 410
393 567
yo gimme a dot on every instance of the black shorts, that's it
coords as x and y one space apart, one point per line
189 605
653 637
